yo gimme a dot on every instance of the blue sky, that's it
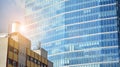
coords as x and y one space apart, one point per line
10 11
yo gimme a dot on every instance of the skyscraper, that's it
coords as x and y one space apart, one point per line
76 33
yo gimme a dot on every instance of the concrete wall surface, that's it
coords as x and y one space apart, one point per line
3 51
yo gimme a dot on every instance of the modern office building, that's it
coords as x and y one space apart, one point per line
76 33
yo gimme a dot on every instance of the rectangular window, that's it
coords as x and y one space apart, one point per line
14 64
10 61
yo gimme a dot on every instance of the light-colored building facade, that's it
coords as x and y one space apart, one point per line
3 51
16 51
22 44
44 54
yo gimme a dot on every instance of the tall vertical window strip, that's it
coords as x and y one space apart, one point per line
76 33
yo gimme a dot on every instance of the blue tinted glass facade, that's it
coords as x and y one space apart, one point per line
76 33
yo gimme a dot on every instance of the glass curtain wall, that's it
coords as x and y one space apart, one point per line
76 33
